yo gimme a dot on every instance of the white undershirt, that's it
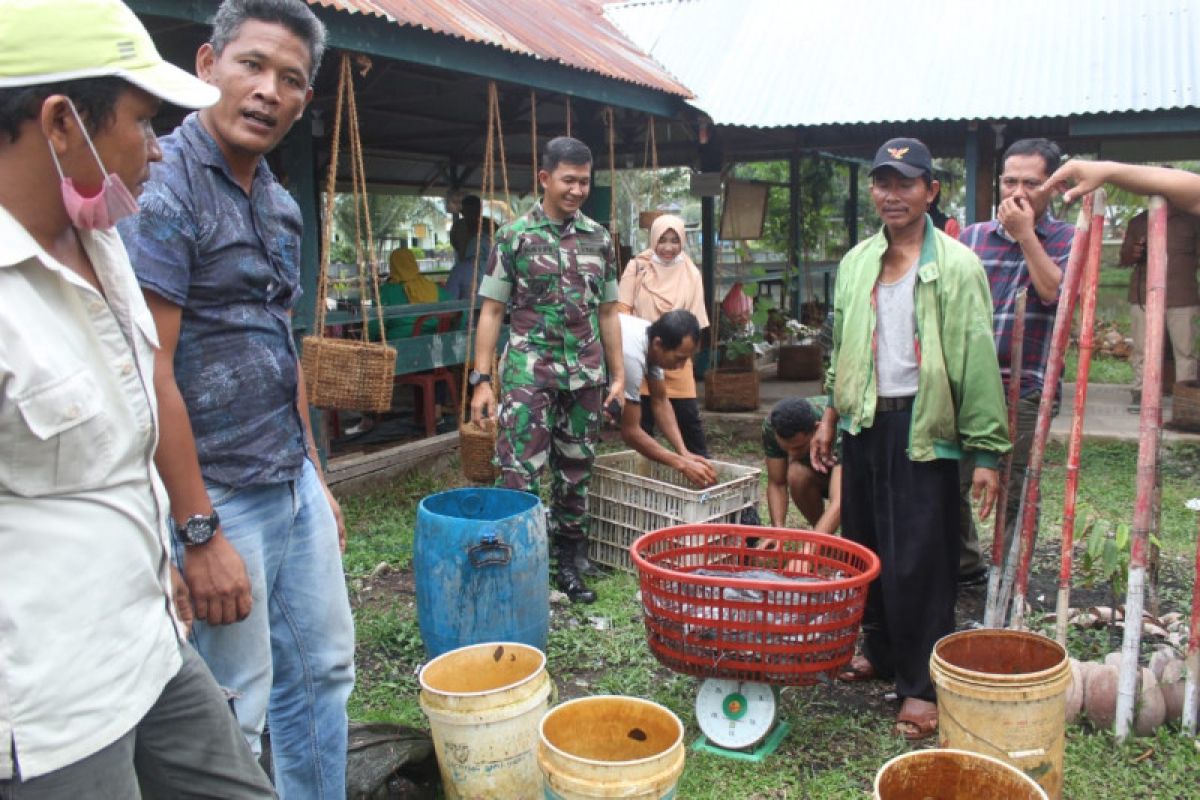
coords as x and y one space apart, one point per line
896 336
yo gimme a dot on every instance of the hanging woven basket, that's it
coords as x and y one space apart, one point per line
477 451
349 374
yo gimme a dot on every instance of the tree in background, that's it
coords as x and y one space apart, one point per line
390 213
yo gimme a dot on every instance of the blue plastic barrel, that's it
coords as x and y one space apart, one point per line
482 569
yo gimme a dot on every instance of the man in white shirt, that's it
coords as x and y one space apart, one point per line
648 349
99 696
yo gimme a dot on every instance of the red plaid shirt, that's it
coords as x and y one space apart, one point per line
1008 273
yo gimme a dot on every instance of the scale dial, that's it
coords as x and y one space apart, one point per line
735 714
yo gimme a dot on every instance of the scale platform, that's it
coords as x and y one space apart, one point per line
738 719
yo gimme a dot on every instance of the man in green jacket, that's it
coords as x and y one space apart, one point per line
914 384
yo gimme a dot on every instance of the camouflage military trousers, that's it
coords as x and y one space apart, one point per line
558 426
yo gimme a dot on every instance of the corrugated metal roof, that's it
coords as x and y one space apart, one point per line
574 33
774 63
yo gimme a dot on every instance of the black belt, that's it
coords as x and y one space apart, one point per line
893 403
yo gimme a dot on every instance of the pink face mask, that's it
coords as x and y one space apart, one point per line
102 210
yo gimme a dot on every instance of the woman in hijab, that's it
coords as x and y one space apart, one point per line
657 280
406 285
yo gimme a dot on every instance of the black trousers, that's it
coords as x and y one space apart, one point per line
907 513
687 415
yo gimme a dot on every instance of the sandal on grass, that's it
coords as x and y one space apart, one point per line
859 669
918 719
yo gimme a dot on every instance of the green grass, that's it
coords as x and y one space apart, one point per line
840 736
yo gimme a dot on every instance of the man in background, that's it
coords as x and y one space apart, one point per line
1183 299
555 272
649 349
913 390
1023 248
787 434
471 257
217 252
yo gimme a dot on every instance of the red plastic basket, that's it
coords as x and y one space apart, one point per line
790 632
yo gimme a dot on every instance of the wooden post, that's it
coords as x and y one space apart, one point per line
1087 324
1054 365
1148 427
789 296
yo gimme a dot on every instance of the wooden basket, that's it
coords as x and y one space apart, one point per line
348 374
1185 408
800 362
727 389
477 450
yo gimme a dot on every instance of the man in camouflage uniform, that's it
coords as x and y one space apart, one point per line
556 272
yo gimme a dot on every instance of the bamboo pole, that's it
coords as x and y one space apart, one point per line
1191 690
1148 428
1016 373
1054 365
1087 335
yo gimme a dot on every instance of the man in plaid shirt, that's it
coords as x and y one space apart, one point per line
1024 247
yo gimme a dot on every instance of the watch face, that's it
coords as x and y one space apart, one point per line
199 529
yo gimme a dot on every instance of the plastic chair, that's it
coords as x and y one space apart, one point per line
425 383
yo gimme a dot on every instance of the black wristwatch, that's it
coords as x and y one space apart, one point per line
475 378
198 529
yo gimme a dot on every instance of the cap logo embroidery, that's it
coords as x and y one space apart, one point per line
126 49
898 152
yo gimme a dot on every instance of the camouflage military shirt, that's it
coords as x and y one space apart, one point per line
553 279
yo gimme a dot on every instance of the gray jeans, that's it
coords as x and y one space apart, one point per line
187 746
970 557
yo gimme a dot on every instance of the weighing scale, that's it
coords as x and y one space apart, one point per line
737 719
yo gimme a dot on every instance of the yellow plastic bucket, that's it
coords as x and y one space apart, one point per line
1004 694
953 775
483 703
611 746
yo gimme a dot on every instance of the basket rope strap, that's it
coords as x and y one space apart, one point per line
488 190
346 100
610 122
650 160
533 136
327 227
366 264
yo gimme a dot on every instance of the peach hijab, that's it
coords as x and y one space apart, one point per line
651 287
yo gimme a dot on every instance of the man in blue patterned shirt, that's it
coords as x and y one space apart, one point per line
1024 247
216 249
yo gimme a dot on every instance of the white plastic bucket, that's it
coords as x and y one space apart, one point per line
1004 694
484 703
953 775
611 746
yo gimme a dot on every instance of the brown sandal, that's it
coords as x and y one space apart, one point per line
859 669
914 724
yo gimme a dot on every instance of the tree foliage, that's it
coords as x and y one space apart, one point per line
390 213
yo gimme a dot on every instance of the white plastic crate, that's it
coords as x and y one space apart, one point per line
631 495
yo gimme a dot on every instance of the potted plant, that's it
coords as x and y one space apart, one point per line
801 356
732 384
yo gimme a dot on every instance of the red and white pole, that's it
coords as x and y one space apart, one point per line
1191 689
1054 366
1016 355
1087 324
1147 464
